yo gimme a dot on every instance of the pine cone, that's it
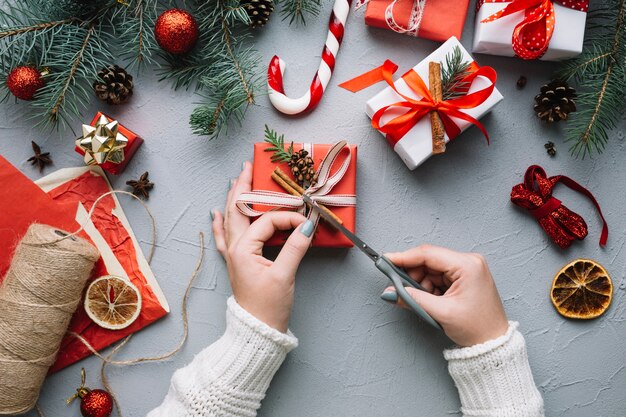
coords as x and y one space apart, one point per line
555 101
259 11
114 85
303 168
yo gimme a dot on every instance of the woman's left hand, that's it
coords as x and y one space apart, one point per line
263 288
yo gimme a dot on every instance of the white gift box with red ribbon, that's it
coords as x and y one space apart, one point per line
416 146
495 37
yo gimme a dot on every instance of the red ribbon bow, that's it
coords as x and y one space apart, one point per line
396 128
561 224
532 35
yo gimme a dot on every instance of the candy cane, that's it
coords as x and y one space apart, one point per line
312 97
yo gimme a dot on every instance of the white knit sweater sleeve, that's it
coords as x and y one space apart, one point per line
230 377
494 378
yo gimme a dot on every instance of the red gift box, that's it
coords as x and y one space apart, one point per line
437 20
325 236
134 142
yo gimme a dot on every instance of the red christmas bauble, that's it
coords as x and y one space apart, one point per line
23 82
96 403
176 31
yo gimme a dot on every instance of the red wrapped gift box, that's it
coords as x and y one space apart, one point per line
325 235
440 19
134 142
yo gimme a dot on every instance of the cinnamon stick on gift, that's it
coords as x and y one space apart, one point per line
436 90
282 179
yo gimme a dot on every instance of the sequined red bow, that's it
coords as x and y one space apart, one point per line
561 224
532 35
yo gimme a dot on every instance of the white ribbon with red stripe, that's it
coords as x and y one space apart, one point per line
415 19
339 153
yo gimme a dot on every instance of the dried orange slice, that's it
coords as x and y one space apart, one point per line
582 290
112 302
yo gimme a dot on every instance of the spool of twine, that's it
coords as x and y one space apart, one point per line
38 297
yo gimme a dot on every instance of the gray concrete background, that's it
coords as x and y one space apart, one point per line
359 356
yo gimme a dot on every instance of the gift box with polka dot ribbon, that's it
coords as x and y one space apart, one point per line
531 29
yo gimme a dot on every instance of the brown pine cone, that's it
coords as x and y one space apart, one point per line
259 11
114 85
555 101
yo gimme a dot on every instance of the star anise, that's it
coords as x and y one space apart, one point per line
40 159
142 186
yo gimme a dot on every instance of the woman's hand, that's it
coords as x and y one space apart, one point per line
263 288
462 295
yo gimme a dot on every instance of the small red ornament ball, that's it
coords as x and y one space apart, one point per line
23 82
96 403
176 31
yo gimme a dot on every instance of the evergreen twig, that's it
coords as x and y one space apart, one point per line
35 27
453 74
600 75
296 10
280 154
54 111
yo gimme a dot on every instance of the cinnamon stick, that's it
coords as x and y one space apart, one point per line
436 90
282 179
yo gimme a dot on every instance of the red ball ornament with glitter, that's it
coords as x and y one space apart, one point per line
23 82
176 31
93 403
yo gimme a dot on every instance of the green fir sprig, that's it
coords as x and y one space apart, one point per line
599 74
296 10
453 74
280 154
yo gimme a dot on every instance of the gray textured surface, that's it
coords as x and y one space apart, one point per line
357 355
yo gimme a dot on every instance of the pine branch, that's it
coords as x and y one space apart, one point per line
277 146
227 72
295 10
71 78
453 74
225 96
35 27
228 41
135 26
600 74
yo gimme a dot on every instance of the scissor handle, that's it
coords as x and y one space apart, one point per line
400 279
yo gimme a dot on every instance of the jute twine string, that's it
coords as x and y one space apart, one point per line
64 237
38 297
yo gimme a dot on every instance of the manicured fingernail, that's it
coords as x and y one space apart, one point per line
390 296
243 165
307 228
212 214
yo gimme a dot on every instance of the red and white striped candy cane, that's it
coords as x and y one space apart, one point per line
312 97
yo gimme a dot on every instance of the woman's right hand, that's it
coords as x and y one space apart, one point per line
462 295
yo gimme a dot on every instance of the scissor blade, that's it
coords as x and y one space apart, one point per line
365 248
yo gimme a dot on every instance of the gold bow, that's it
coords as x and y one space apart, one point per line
102 142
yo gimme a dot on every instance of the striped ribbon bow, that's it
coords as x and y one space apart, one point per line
532 35
328 176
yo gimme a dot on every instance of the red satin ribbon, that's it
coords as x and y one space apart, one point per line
532 35
561 224
396 128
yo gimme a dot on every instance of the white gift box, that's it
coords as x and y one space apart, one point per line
494 37
417 146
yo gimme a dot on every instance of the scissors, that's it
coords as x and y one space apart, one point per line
397 276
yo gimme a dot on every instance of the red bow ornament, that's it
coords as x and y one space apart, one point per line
532 35
559 222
